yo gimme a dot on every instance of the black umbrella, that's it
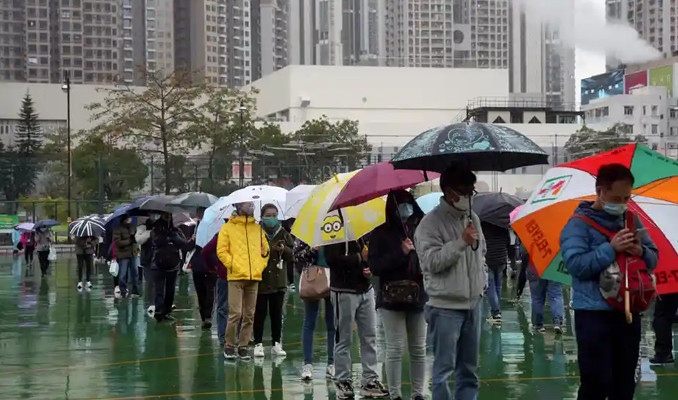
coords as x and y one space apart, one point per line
45 223
494 208
478 147
146 205
87 227
194 200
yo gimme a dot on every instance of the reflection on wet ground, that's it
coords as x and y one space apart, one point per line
56 343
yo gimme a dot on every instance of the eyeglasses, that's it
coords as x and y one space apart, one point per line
465 193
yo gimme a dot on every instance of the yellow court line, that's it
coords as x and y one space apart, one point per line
232 392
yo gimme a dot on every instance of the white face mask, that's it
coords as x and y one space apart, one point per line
464 202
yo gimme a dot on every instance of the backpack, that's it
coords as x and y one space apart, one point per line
166 255
613 280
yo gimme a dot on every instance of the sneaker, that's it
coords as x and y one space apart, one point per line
657 360
229 353
79 286
174 306
151 310
259 350
206 325
329 372
558 329
117 293
277 350
419 397
89 285
374 390
307 372
244 354
540 328
292 288
344 390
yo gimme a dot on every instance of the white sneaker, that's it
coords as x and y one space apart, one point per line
278 351
89 285
151 311
307 372
329 373
79 286
259 350
117 293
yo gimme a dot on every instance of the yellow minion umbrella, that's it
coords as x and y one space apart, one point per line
316 226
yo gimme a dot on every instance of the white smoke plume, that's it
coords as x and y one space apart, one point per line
583 26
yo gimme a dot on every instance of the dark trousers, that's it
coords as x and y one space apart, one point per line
84 262
205 285
607 351
44 261
664 315
28 254
165 282
290 273
269 304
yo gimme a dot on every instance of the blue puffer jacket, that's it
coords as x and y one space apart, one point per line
587 253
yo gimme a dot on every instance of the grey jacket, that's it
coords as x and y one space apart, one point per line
455 276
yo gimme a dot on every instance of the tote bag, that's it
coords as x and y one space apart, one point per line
314 283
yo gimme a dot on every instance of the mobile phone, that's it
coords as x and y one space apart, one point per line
640 230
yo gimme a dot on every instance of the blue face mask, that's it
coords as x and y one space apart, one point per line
616 209
270 222
405 210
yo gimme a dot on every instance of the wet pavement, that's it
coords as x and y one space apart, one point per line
56 343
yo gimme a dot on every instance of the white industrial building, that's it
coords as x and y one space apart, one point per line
646 111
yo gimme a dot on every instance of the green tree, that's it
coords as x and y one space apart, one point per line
155 118
587 142
28 140
53 163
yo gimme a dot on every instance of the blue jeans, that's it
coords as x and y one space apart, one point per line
455 335
128 275
495 279
539 290
222 310
311 310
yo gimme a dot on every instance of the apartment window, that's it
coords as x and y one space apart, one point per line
674 113
654 111
655 129
644 110
605 111
628 110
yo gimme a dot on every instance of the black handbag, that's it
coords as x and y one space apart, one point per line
401 293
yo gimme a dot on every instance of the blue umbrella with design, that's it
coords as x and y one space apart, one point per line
477 146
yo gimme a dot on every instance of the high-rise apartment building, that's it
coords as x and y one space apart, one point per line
656 21
13 39
274 19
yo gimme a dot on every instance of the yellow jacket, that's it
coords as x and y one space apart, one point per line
243 249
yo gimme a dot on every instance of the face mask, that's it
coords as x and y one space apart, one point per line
155 217
616 209
405 210
127 221
463 204
270 222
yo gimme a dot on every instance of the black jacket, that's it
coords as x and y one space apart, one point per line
498 240
386 257
346 268
168 242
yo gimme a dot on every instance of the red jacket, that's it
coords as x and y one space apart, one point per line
209 256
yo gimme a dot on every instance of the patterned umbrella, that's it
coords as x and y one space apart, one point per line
479 147
655 201
87 227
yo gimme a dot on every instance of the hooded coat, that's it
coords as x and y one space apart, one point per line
386 257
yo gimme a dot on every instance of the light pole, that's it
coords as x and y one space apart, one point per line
241 155
66 87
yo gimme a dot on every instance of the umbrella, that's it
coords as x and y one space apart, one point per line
429 201
378 180
145 205
26 226
316 225
495 208
215 215
654 201
513 214
87 227
479 147
45 223
193 200
296 198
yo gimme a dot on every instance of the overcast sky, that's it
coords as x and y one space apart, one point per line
588 63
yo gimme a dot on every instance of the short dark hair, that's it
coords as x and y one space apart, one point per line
268 206
610 173
457 175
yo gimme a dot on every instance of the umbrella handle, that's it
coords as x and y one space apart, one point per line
627 307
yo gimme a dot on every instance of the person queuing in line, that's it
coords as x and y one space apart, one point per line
44 239
306 257
204 278
451 249
143 239
353 301
211 260
243 248
498 240
401 296
607 346
273 284
84 252
540 289
292 287
124 243
665 309
167 244
16 242
28 242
